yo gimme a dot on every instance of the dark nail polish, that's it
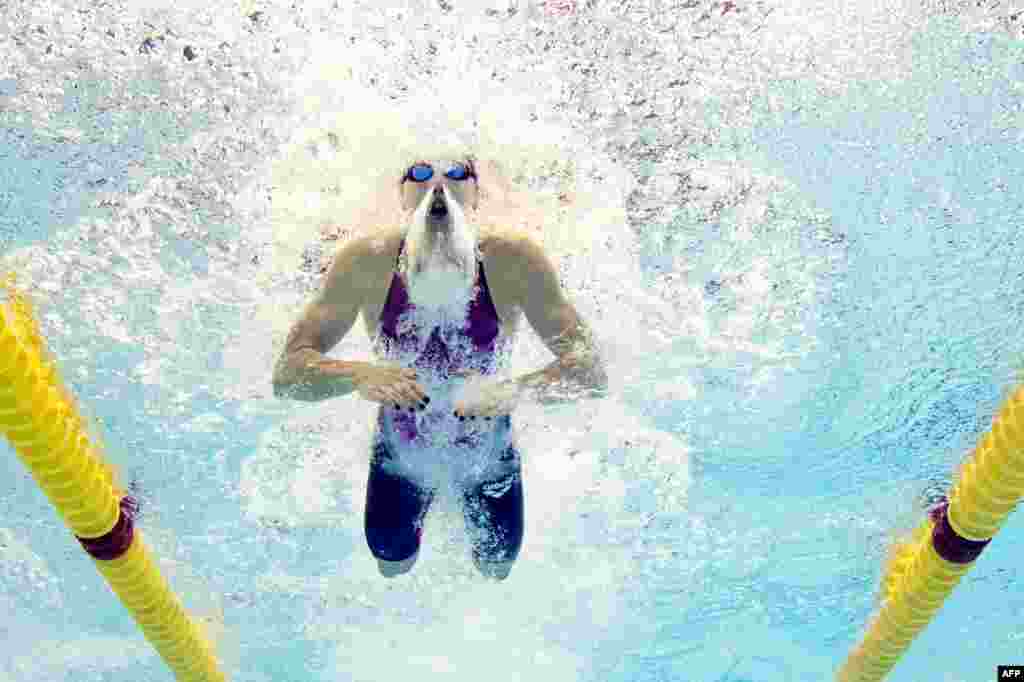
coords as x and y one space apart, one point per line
426 399
423 406
461 418
397 406
472 416
412 408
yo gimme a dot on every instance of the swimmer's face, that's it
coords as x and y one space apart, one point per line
440 239
433 177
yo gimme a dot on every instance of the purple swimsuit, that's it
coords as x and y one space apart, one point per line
410 446
471 343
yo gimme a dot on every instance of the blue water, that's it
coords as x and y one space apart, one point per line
816 208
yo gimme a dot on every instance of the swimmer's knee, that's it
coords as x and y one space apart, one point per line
391 569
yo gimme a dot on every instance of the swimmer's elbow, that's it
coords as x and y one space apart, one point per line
292 388
587 371
284 385
597 380
281 389
280 383
294 391
287 379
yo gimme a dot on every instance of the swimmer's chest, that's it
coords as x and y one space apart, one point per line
498 283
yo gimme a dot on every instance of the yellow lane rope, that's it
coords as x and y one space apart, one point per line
38 416
924 571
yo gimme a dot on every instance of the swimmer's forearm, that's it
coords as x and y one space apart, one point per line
565 380
311 376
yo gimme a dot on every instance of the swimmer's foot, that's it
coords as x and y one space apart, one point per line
391 569
495 570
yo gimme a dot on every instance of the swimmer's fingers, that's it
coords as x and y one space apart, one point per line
479 411
413 395
408 391
477 414
387 394
378 394
405 394
495 400
391 384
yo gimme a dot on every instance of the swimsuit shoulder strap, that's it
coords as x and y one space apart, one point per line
398 258
484 289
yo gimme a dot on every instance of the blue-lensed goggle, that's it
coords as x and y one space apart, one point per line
421 172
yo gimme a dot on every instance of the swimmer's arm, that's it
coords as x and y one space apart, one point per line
578 370
303 372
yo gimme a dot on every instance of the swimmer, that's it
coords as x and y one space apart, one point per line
442 304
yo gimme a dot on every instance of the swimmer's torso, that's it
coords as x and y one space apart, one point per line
440 349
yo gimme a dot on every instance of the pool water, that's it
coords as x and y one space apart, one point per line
794 227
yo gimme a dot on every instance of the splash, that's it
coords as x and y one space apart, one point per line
608 131
339 176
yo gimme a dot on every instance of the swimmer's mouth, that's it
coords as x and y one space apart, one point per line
438 208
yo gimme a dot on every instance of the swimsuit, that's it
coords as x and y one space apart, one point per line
411 448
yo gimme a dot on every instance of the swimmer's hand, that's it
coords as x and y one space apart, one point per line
486 397
390 384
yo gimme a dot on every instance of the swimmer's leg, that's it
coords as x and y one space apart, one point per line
494 520
395 508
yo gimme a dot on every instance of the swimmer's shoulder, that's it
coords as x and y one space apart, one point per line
506 256
361 263
515 253
505 243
